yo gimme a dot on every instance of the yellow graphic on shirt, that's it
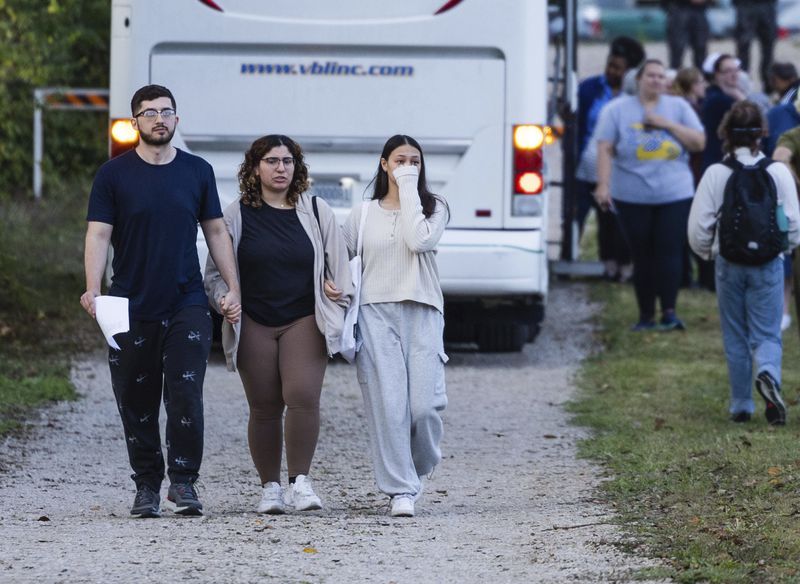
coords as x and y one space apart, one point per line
654 144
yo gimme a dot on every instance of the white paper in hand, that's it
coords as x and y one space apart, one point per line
112 316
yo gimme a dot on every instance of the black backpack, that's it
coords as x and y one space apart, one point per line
748 219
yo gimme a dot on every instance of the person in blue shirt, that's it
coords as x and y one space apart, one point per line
781 118
593 94
147 204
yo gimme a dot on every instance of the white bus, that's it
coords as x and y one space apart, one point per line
467 78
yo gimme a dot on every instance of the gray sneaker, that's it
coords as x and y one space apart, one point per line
770 390
183 497
147 503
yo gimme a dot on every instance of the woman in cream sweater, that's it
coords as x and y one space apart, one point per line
401 360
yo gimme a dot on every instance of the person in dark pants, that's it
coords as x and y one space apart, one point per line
643 163
691 85
147 204
687 25
723 92
756 18
593 93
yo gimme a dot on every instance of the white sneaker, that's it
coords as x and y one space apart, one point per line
402 506
786 322
301 496
272 500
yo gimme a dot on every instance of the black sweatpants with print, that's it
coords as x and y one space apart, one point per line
170 355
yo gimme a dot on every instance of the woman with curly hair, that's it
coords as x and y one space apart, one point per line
296 285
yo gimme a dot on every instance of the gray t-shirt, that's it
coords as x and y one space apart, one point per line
650 165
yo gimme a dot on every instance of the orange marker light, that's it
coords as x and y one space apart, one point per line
122 132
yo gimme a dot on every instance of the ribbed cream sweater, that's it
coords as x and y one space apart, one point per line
399 247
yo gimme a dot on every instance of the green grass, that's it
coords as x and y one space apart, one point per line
714 500
41 279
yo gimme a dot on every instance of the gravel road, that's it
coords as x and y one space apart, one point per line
509 503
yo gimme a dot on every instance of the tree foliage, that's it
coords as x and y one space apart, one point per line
50 43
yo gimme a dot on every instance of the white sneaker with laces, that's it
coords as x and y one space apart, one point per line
301 496
402 506
272 500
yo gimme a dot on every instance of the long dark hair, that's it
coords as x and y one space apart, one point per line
249 183
381 180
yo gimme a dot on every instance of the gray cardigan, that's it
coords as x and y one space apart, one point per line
329 247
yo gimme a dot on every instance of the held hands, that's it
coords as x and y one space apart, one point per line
87 301
331 291
231 307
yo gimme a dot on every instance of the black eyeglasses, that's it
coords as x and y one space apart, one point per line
151 114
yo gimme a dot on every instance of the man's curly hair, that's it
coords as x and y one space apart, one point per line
250 184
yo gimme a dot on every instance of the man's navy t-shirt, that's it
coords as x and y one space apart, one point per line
154 210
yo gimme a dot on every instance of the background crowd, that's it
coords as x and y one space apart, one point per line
656 142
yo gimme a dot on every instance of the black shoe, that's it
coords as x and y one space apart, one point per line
740 417
184 498
147 503
770 390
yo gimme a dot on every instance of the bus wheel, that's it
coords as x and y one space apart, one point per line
500 337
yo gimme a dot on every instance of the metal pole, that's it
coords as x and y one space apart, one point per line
570 138
38 147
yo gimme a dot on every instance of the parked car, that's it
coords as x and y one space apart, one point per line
788 18
602 20
722 18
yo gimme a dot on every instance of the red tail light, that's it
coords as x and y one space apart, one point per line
529 159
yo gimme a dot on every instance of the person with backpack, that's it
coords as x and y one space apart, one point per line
295 279
745 214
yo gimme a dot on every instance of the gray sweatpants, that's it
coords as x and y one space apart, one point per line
400 369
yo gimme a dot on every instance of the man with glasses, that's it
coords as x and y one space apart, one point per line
147 203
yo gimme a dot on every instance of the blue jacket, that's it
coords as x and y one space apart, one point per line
780 118
593 94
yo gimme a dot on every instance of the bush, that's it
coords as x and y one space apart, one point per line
61 43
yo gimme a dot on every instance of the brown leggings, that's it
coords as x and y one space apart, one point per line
282 367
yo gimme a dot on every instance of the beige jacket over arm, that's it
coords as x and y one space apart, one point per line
329 249
702 229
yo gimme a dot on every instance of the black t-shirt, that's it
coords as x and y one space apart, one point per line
154 210
276 266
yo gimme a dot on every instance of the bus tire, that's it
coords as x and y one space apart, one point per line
502 337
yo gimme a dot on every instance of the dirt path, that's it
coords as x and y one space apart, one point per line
510 502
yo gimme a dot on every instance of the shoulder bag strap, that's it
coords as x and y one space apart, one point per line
360 237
